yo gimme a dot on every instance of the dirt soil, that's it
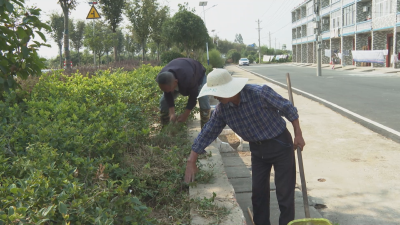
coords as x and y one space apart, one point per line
231 139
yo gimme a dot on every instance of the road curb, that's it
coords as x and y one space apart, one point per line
226 195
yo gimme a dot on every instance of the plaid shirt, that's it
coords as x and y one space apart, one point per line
258 117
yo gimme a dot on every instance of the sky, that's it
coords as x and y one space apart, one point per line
226 17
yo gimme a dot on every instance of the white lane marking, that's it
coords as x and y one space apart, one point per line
336 106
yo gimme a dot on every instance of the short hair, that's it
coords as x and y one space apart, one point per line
165 78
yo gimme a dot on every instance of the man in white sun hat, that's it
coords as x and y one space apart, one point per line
255 113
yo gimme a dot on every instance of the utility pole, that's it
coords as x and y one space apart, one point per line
259 42
270 39
275 46
318 38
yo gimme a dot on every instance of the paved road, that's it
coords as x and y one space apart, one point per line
373 95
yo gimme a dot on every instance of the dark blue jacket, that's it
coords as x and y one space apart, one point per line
189 74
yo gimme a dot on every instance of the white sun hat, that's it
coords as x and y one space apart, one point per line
220 83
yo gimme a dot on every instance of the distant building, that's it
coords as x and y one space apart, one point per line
347 25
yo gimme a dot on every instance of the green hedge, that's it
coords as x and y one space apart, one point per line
168 56
84 151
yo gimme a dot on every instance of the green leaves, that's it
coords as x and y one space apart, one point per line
187 30
17 28
69 142
62 208
21 33
9 6
41 35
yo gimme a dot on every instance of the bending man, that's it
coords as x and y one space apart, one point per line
186 77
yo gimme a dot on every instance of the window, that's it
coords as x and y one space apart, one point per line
383 7
310 9
336 19
349 15
310 29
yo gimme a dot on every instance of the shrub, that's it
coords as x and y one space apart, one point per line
251 58
235 57
167 57
216 61
85 150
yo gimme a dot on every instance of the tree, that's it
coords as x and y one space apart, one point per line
67 6
100 41
57 30
235 57
120 42
239 39
188 30
129 44
160 17
112 10
76 36
140 13
18 56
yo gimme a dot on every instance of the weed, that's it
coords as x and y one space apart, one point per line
207 208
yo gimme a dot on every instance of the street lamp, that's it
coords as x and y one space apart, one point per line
204 3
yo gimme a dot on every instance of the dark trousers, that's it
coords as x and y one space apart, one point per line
277 152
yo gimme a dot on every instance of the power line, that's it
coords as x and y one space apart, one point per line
286 3
278 30
269 9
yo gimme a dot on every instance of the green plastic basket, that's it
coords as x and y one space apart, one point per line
310 221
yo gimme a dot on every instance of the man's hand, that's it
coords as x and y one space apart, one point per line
298 142
298 135
172 118
191 168
182 118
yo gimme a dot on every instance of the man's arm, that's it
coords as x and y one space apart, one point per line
207 135
190 104
298 136
285 107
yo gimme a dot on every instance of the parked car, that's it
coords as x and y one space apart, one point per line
244 62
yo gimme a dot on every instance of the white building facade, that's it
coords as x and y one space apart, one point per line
347 25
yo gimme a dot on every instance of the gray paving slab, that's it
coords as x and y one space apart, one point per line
244 184
237 172
244 200
232 161
241 185
229 154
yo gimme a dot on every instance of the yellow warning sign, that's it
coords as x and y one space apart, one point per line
93 14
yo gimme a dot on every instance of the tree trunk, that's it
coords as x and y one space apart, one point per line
66 39
99 60
115 45
158 52
143 47
79 59
61 62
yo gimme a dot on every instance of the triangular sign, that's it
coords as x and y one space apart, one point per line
93 14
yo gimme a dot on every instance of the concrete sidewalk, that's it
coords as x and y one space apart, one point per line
352 173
